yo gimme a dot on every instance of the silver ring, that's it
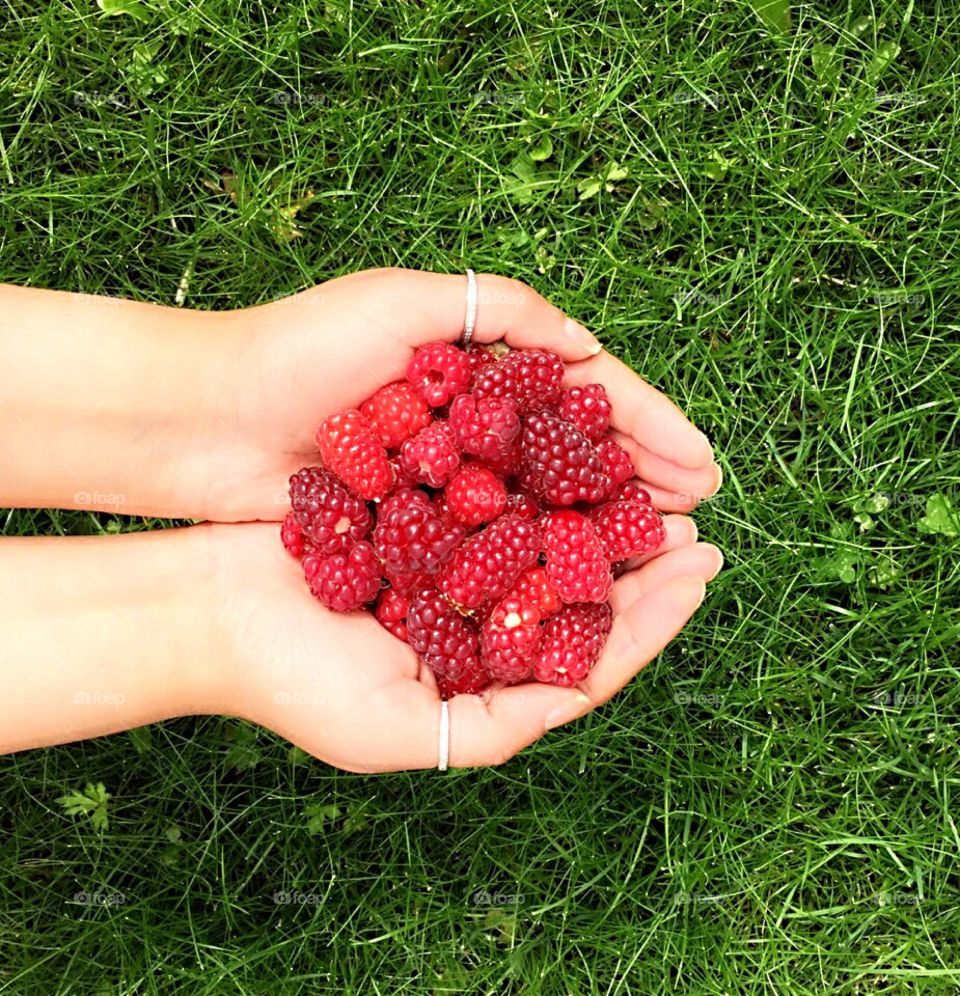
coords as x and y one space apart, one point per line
444 736
470 322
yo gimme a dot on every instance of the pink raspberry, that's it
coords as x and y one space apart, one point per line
445 641
509 639
486 428
531 377
345 581
332 517
588 408
439 372
475 495
391 612
577 565
351 449
431 455
571 644
628 528
396 412
411 539
560 463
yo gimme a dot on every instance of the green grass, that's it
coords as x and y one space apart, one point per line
771 807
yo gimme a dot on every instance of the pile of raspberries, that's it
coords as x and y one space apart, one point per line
481 510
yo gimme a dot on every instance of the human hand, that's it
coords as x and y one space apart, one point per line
346 691
293 362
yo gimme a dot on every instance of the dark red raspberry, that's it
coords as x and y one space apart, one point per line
559 462
480 356
401 479
533 587
432 455
406 584
475 678
486 428
397 412
632 489
531 377
628 528
475 495
291 533
486 564
411 539
523 505
509 639
391 612
444 639
571 644
588 408
439 372
351 449
616 461
345 581
577 565
402 498
331 516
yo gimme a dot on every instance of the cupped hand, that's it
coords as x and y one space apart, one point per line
293 362
349 693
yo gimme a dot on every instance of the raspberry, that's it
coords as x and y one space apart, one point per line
475 495
577 566
616 461
487 428
560 463
391 612
632 489
532 377
401 479
402 498
351 449
628 528
475 678
533 587
291 534
486 564
345 581
439 372
523 505
510 638
406 584
411 539
588 408
571 644
330 515
440 635
396 412
431 455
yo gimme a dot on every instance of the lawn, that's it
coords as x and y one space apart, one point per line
765 224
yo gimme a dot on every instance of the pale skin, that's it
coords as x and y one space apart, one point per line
143 410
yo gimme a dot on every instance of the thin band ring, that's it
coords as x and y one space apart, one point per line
444 736
470 322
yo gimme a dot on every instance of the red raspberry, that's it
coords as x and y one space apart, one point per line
406 584
432 455
291 534
523 505
439 372
411 539
391 612
351 449
480 356
440 635
475 678
533 587
509 639
616 461
532 377
401 479
486 564
628 528
486 428
331 516
345 581
397 412
632 489
402 498
475 495
577 566
588 408
571 644
559 462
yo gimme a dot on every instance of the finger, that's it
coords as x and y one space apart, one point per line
424 307
688 487
640 632
641 412
694 560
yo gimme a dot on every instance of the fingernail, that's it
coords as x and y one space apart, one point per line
701 587
586 340
572 708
